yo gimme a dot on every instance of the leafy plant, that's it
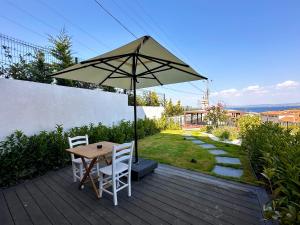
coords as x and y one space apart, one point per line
247 122
216 114
275 153
23 157
226 133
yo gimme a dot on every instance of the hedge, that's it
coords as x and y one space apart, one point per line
274 153
23 157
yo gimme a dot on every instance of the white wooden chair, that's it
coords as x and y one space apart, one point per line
77 164
120 167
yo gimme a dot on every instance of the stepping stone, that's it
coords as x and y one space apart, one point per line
198 142
207 146
227 171
189 138
217 152
187 135
228 160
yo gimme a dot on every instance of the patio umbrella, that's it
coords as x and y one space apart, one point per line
139 64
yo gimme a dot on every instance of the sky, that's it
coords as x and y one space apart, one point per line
249 50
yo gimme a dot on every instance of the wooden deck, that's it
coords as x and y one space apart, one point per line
168 196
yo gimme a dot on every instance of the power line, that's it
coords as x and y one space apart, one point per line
180 91
24 27
131 17
44 23
74 24
115 18
195 86
166 36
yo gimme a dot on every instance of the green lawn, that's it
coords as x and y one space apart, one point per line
169 147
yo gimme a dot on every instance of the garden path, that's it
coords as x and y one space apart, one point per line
224 164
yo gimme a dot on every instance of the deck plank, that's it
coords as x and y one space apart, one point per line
66 209
55 217
33 210
207 207
5 216
246 199
107 202
89 200
168 196
179 184
16 207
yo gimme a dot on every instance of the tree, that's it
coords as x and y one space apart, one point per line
173 110
40 70
216 114
37 70
148 99
151 99
247 122
61 50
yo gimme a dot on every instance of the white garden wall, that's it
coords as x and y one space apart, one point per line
32 107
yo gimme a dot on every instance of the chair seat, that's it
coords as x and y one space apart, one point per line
120 167
79 161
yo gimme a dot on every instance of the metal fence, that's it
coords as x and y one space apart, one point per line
12 50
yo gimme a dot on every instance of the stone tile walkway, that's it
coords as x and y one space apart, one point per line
189 138
198 142
217 152
228 171
208 146
228 160
220 170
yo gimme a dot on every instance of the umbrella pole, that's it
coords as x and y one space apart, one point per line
135 124
134 109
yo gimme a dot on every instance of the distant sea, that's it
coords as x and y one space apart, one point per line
264 108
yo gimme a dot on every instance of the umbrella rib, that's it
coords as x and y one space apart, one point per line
128 74
155 70
164 60
98 61
70 70
174 67
106 58
149 71
117 68
102 68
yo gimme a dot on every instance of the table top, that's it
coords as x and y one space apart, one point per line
91 151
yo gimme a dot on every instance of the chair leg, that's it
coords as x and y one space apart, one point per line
98 167
118 181
115 191
81 171
74 172
100 184
129 184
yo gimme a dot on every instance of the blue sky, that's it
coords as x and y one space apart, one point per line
249 49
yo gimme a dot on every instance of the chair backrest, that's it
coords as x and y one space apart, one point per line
122 153
78 140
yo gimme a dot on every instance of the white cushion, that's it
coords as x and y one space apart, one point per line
120 167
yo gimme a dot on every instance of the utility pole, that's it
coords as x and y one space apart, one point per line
205 101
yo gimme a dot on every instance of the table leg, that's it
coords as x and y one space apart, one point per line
108 162
87 174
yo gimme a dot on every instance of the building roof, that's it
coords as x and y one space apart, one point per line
290 119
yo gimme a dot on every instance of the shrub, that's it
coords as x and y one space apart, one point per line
275 153
206 128
167 123
247 122
226 133
23 157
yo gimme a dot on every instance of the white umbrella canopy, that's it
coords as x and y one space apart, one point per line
139 64
154 65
